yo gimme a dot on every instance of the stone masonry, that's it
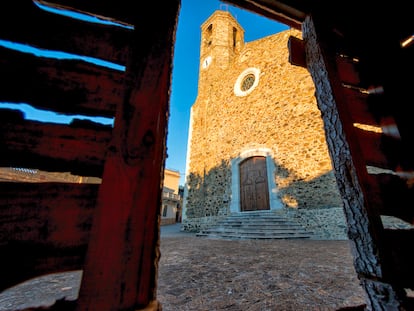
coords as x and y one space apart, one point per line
275 117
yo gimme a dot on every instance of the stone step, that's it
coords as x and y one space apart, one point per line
256 225
264 227
264 215
257 229
256 232
234 236
258 222
253 225
257 219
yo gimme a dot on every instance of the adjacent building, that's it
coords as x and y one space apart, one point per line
171 198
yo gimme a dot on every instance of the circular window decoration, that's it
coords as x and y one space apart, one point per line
246 82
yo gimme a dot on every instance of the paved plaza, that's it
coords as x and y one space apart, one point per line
204 274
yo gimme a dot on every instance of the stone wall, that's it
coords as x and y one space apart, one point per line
279 115
325 223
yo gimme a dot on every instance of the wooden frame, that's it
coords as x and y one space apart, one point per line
111 230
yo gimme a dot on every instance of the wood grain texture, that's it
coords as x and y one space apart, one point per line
365 228
44 228
123 254
79 148
24 22
60 85
347 164
390 195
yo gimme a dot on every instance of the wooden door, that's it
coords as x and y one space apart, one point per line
254 192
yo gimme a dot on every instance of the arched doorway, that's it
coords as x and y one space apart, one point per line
254 194
267 175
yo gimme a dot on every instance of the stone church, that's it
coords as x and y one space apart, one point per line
256 138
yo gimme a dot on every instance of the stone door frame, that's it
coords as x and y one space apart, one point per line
274 201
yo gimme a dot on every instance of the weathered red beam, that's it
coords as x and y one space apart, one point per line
400 256
44 228
347 67
24 22
124 10
60 85
273 10
390 194
297 54
383 151
79 148
46 213
358 106
28 260
122 260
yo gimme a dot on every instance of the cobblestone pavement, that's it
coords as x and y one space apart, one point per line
208 274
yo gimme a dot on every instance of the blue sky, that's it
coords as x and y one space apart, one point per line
192 15
186 62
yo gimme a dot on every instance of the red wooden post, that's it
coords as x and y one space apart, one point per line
122 260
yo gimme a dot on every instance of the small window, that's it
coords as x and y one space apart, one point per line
234 37
164 211
209 32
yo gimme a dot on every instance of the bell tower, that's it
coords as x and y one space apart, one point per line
222 38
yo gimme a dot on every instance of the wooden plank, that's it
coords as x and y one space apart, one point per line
360 107
44 228
374 150
121 267
297 55
390 194
66 86
79 148
383 151
46 213
280 11
24 22
124 11
28 260
348 69
401 257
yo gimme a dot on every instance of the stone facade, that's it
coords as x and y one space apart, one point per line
253 103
